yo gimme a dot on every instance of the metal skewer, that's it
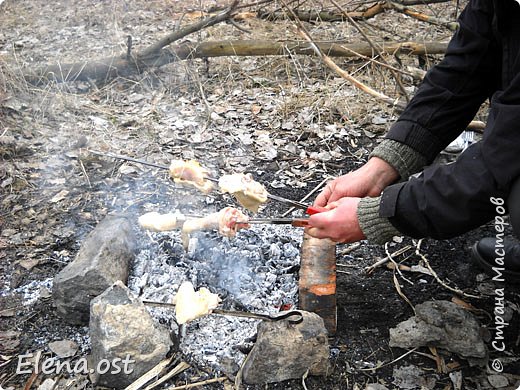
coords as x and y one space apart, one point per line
298 222
235 313
309 209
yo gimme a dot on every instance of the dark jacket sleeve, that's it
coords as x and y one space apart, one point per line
447 200
444 201
453 91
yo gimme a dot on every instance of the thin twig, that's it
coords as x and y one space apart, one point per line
303 379
308 195
85 172
398 252
400 292
374 47
389 363
196 384
442 283
182 366
396 266
234 23
383 64
332 65
351 248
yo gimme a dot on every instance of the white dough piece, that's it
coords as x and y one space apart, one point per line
191 304
161 222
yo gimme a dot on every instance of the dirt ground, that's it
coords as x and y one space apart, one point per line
287 119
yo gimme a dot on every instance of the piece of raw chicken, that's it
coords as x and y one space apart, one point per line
191 304
248 192
192 173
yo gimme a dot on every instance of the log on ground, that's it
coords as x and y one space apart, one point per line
105 69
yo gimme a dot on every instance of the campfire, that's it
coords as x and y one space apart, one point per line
256 271
218 288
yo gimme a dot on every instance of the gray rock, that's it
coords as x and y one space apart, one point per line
375 386
121 328
441 324
498 381
64 348
412 377
104 257
286 351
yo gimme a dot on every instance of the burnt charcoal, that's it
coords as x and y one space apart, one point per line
244 348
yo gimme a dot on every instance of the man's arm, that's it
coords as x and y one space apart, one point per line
452 91
444 104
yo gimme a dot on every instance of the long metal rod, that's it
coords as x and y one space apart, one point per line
245 314
126 158
120 157
277 221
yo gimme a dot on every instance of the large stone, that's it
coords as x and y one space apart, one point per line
441 324
375 386
104 258
286 351
121 329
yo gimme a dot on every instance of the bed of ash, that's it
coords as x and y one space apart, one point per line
255 271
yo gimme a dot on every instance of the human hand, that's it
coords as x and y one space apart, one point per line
369 180
340 224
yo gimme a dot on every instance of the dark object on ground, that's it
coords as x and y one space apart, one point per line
502 266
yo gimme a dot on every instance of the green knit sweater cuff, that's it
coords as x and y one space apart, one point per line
403 158
378 230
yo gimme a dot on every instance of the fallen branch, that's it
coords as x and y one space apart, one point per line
107 68
323 16
124 64
344 74
420 16
212 20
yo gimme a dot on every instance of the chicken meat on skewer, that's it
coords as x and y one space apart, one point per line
191 304
156 222
248 192
225 221
190 172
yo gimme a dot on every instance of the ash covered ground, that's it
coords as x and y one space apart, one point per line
255 272
286 119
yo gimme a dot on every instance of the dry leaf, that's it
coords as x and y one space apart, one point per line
29 264
255 109
59 196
